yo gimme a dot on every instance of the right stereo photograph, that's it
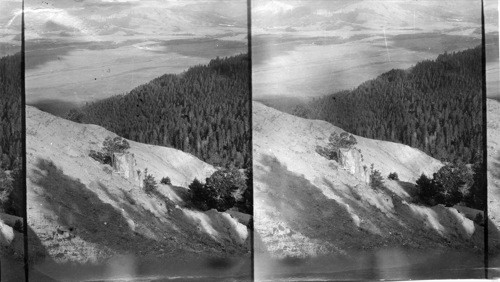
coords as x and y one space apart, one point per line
369 140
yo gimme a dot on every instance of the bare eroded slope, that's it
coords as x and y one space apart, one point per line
493 135
82 211
307 205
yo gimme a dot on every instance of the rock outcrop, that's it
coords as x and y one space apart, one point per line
352 160
125 165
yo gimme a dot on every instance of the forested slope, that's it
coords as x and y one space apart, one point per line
434 106
10 114
204 111
10 134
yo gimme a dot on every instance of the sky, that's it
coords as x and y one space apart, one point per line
492 50
121 21
10 27
93 20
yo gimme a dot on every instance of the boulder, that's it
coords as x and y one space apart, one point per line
6 234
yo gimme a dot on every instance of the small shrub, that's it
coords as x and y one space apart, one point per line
479 219
110 146
336 142
149 182
107 170
6 187
427 191
356 196
130 199
245 204
115 145
476 195
344 140
100 157
18 226
376 180
199 195
327 153
393 176
166 180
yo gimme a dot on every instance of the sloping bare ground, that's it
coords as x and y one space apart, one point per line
493 138
81 211
306 205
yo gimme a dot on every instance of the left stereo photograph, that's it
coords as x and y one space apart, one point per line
12 208
138 140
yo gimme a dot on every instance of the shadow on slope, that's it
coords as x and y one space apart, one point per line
357 225
357 253
37 254
493 231
494 245
174 231
83 216
129 229
495 167
182 193
410 188
81 213
11 256
308 211
12 269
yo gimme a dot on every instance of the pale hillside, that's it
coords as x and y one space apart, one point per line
307 205
81 210
493 117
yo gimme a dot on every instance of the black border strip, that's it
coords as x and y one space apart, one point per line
23 147
485 143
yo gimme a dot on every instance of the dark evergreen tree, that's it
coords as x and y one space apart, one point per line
449 186
476 196
221 191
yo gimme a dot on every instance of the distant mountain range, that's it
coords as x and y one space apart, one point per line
88 20
366 14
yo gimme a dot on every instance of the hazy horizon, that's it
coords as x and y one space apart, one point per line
316 48
10 27
300 48
83 51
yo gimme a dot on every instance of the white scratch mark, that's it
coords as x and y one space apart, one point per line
386 48
413 21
